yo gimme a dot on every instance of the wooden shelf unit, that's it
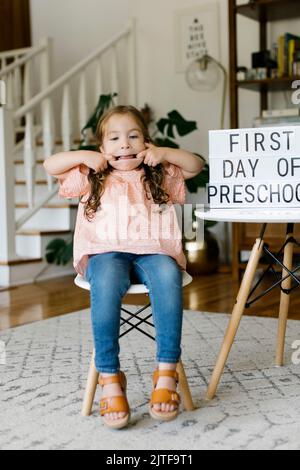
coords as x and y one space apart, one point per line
270 84
270 10
262 11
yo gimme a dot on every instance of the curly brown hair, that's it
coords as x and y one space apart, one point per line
152 179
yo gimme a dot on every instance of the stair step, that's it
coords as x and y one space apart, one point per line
29 270
49 217
20 171
24 205
40 142
40 182
33 242
21 162
18 261
43 233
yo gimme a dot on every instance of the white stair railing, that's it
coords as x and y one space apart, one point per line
18 74
64 90
7 57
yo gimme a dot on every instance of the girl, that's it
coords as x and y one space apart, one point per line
129 183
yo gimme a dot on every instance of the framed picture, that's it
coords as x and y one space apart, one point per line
196 34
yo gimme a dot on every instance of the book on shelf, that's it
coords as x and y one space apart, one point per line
276 121
296 64
288 45
280 58
293 47
275 113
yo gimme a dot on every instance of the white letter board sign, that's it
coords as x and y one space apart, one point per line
256 167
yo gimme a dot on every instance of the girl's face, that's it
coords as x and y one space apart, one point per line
123 139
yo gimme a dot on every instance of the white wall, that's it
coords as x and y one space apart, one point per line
159 84
76 26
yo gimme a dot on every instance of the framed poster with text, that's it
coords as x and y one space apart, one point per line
196 34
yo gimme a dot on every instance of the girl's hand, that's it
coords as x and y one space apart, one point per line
153 155
97 161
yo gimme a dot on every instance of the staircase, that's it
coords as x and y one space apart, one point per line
32 129
55 219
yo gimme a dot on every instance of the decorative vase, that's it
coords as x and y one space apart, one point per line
202 257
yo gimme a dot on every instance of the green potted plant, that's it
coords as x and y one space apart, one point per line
60 251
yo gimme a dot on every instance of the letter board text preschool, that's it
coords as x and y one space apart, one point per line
257 167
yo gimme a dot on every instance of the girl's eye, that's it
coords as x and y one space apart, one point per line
134 136
114 138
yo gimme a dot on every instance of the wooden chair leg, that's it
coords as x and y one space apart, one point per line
235 252
184 388
90 389
284 302
236 317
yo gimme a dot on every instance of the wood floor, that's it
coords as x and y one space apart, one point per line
214 293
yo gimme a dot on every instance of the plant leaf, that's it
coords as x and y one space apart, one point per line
183 127
161 124
56 244
59 251
176 121
67 253
165 142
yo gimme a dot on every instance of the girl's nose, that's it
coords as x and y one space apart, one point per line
125 144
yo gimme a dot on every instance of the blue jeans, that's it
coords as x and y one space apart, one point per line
110 275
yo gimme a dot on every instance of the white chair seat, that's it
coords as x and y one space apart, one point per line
80 281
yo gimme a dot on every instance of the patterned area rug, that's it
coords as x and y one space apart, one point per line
42 383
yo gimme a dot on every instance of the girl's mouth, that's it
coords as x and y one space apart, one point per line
126 157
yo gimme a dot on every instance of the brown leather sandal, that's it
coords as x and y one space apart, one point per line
164 395
115 404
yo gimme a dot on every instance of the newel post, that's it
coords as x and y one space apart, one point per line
46 63
7 186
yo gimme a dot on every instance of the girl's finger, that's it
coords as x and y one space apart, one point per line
142 154
110 157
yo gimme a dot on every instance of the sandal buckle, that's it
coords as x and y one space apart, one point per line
103 405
